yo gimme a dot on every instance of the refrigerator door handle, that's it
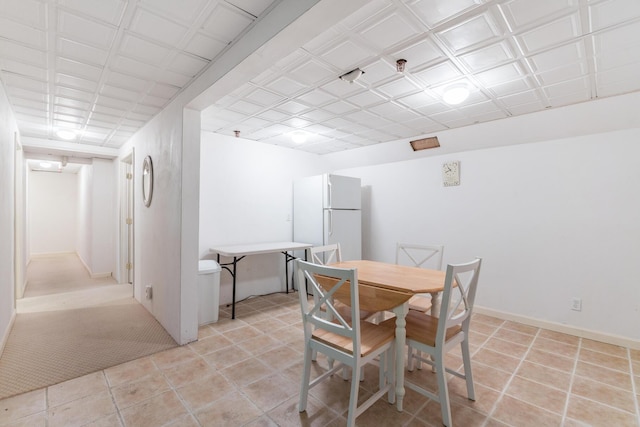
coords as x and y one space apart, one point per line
329 192
330 222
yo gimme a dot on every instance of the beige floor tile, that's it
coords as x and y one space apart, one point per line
604 375
477 339
482 328
635 354
603 393
490 377
519 327
597 414
289 335
210 344
290 318
130 371
271 391
204 392
35 420
236 336
226 357
514 336
158 410
551 360
134 392
601 347
498 360
185 373
175 356
382 413
557 347
82 411
22 405
545 375
186 421
559 336
259 344
205 331
263 421
518 413
506 347
71 390
112 420
227 324
605 360
537 394
280 358
316 414
232 410
483 318
247 371
461 415
486 398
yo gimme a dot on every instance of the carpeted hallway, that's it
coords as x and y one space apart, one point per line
69 325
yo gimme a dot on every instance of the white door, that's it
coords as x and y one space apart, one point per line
342 192
344 227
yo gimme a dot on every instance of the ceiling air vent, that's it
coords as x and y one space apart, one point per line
424 143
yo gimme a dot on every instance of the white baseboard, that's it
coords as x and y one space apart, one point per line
5 336
100 275
48 254
559 327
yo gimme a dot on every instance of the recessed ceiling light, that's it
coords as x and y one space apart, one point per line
299 137
66 134
455 94
45 165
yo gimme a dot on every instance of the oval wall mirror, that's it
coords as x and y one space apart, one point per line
147 180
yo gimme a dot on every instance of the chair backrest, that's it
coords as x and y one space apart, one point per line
418 255
324 255
458 297
328 284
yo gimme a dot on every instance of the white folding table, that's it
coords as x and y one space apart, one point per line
238 252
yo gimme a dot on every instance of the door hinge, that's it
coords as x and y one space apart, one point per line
129 175
129 221
129 266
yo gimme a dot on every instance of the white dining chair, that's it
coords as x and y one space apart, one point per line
421 256
352 343
435 336
325 254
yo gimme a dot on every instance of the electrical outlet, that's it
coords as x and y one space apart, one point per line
148 292
576 304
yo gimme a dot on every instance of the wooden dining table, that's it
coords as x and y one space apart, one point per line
388 287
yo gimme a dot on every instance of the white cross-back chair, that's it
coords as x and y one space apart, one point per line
352 343
435 336
424 256
326 254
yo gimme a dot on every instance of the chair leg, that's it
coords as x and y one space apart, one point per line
443 390
353 397
306 375
468 376
409 358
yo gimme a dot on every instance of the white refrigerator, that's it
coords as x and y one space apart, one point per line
326 210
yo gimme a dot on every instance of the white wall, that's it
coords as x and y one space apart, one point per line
8 130
84 209
245 197
52 212
104 217
553 220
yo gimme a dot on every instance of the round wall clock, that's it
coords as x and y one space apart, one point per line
147 180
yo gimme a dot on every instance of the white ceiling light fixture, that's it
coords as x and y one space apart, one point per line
45 165
299 137
352 75
456 94
66 134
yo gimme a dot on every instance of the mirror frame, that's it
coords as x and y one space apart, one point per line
147 180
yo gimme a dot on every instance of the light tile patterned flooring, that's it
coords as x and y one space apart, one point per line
246 372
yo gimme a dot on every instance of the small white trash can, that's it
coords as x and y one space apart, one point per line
208 291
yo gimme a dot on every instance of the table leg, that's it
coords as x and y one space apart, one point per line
401 337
